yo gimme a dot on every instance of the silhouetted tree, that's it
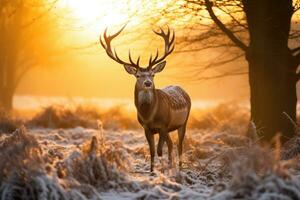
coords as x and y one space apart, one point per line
22 23
260 31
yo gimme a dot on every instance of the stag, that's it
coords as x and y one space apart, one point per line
158 110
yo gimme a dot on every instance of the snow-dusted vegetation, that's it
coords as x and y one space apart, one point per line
83 153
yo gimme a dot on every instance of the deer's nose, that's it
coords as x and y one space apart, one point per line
147 83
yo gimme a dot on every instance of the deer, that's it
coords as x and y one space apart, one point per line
158 110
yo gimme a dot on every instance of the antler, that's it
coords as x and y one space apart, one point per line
169 47
113 54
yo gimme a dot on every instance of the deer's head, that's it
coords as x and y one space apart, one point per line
144 76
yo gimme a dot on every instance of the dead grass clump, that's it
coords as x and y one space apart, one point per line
8 124
194 150
96 170
257 173
233 140
291 149
270 186
22 174
99 166
21 152
117 119
190 143
112 152
224 117
61 117
31 187
85 116
248 160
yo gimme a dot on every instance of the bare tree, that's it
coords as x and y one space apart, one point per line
22 31
259 31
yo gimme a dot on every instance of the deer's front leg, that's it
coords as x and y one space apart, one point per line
161 141
150 139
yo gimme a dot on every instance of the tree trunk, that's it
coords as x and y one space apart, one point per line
273 98
6 99
271 72
7 85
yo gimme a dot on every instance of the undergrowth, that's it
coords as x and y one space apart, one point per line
58 116
8 123
220 155
224 117
22 174
100 163
97 167
259 173
230 117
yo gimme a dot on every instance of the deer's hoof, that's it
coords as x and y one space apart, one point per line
152 173
180 165
170 165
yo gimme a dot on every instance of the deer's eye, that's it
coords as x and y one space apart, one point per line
138 76
152 75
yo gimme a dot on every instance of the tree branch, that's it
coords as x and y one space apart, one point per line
203 48
52 5
223 62
205 78
229 34
234 19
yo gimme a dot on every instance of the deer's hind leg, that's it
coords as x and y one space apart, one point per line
170 148
181 134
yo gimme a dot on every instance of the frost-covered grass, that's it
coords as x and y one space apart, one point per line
59 116
8 122
112 162
95 164
222 117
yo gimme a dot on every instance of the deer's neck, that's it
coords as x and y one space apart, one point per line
145 102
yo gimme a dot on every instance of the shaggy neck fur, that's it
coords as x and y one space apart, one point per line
145 101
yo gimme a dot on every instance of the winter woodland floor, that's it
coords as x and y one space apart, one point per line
92 163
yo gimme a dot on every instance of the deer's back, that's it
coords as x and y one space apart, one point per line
177 98
179 106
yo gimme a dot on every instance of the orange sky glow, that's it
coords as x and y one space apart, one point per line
91 73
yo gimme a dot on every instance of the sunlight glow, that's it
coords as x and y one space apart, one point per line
97 12
83 10
109 13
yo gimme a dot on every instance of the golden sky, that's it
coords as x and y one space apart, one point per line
91 73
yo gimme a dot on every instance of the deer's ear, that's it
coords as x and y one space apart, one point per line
130 69
159 67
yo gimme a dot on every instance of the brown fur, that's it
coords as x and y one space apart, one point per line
156 117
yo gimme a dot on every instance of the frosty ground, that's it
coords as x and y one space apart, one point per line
221 161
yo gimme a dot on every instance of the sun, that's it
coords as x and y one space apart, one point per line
85 10
88 18
98 12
